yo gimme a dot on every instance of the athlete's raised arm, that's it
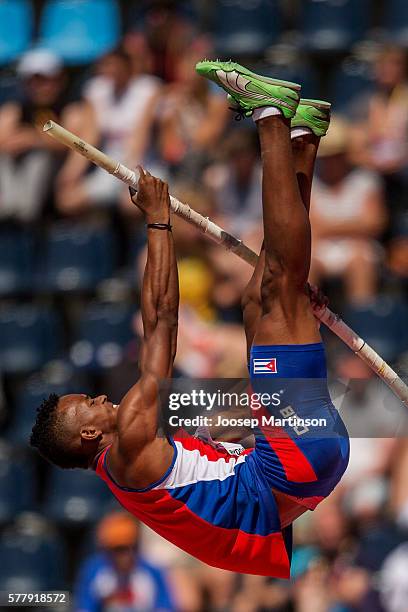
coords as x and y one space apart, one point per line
138 455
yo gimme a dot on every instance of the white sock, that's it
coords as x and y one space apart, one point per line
265 111
300 131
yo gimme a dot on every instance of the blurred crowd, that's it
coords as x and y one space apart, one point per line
72 252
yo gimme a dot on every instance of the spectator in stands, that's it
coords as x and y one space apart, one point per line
124 106
118 578
30 159
141 56
399 483
347 215
236 181
380 137
182 569
167 31
192 118
392 581
310 581
397 260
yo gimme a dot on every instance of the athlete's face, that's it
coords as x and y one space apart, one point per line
89 417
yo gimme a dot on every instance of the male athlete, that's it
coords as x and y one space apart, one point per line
231 511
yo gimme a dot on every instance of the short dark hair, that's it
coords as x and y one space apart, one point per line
48 437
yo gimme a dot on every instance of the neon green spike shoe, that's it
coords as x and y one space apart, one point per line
312 114
250 90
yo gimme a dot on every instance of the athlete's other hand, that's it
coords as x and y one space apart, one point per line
152 198
318 299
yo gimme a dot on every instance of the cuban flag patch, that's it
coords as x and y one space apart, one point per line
264 366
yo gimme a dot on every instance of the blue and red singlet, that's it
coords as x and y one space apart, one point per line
218 503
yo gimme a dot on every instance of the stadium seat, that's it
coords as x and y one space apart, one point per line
30 336
349 81
16 261
77 257
10 88
17 483
381 324
16 25
376 544
136 242
296 72
330 25
396 21
103 333
76 497
31 556
80 31
246 28
33 391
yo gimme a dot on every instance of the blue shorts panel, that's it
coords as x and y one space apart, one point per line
288 361
300 460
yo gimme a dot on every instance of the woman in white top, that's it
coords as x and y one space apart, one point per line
124 106
347 215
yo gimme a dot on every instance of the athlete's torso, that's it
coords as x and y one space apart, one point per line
215 506
230 509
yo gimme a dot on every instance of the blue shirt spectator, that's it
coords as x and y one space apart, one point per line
118 579
100 588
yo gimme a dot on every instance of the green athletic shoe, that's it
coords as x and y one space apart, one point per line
313 114
250 90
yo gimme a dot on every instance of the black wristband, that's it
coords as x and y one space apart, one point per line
160 226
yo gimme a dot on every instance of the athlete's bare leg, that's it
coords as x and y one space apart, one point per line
287 316
304 156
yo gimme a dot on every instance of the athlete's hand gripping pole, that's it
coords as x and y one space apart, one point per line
331 320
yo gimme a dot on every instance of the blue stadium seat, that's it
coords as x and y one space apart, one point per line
75 497
16 25
80 31
103 334
396 21
136 242
16 261
246 28
31 556
34 390
17 483
10 88
301 73
348 82
30 336
77 257
330 25
382 324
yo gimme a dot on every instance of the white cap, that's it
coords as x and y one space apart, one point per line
39 61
